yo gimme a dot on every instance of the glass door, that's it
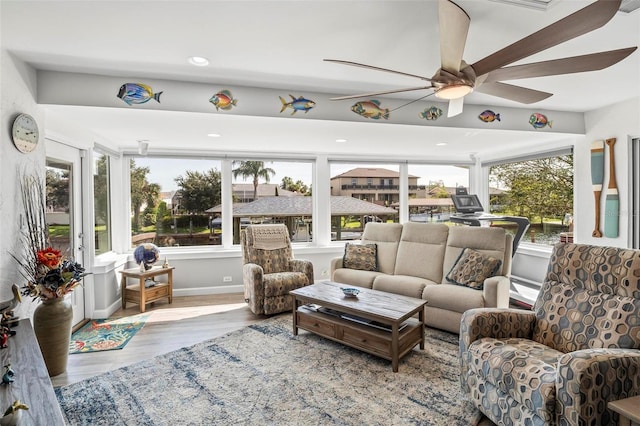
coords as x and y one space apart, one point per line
64 212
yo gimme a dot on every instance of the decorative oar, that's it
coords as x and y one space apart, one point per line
597 177
612 203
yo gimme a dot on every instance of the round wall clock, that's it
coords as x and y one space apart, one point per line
25 133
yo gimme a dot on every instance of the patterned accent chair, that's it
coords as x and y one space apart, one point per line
562 362
270 273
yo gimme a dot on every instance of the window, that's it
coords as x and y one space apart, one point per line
58 210
352 206
101 203
273 192
540 189
175 201
430 189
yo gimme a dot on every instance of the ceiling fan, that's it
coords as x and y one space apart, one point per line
455 79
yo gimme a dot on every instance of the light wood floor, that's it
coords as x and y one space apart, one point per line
187 321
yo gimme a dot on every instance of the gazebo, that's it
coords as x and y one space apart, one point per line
296 212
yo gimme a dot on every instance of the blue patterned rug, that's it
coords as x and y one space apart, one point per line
263 375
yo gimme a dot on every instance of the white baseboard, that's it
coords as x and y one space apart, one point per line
201 291
106 313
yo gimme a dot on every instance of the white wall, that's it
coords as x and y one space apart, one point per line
620 121
18 88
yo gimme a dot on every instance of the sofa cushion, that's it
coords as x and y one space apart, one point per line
401 284
355 277
281 283
360 256
386 236
472 268
521 368
453 297
421 250
491 241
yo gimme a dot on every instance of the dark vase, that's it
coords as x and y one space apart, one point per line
52 326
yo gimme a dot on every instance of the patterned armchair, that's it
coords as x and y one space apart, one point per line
269 270
577 350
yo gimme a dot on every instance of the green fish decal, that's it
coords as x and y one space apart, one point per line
538 121
297 104
371 109
431 113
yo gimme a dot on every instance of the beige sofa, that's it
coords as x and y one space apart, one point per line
414 259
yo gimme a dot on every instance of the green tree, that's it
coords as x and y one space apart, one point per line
537 188
200 191
254 170
101 191
299 186
143 193
57 189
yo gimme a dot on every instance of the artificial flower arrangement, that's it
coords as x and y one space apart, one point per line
47 273
54 276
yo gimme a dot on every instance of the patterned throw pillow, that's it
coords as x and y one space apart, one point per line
361 256
472 268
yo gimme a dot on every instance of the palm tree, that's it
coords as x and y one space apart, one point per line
254 170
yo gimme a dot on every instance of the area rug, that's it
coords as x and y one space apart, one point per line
263 375
106 335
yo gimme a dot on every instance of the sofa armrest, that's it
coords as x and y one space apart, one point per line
588 379
496 292
498 323
253 288
336 263
304 266
494 322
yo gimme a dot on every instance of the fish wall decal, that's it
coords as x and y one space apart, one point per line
297 104
223 100
371 109
489 116
538 121
431 113
136 93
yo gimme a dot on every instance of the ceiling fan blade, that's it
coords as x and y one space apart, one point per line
387 92
455 107
581 22
454 27
371 67
511 92
591 62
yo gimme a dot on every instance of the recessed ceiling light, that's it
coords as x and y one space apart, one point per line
214 135
341 140
441 144
198 61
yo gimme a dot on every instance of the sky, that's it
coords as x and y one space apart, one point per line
163 171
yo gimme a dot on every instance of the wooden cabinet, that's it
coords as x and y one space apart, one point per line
137 292
31 384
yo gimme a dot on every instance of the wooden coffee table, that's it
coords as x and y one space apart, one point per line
385 328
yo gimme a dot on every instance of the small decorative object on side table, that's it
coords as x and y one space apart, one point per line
141 294
629 410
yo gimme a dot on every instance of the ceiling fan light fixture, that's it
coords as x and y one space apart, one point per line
454 91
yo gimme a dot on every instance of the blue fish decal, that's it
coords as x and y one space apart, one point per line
538 121
488 116
134 93
299 104
431 113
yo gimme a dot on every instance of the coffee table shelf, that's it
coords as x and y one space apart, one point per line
386 308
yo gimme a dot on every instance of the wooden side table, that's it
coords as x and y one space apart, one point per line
629 410
138 293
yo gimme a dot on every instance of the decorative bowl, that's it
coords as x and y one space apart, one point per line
350 291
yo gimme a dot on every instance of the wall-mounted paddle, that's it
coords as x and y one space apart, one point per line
597 177
612 203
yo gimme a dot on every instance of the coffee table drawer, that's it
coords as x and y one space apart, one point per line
316 324
372 342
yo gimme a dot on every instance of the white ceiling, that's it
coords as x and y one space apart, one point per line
281 44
